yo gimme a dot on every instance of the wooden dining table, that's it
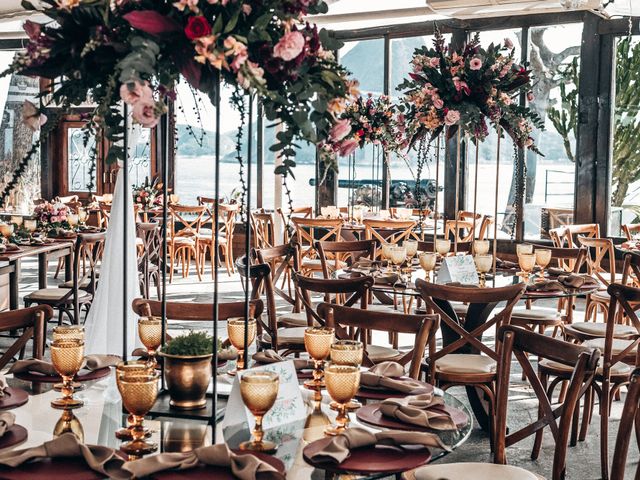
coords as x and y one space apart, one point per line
11 263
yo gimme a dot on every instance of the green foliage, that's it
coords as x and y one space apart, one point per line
565 116
190 345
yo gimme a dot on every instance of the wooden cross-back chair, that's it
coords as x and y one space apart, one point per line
630 417
335 255
33 323
206 236
427 246
271 334
263 229
631 230
464 360
283 261
149 257
389 231
288 230
308 232
71 297
350 322
558 236
588 230
459 231
601 264
619 347
183 243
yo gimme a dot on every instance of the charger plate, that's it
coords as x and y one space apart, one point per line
12 437
372 415
13 398
382 393
82 377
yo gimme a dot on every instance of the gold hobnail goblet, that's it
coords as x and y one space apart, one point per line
66 332
30 225
259 390
543 258
68 422
131 368
386 251
524 248
317 343
411 247
235 330
428 263
6 230
67 357
398 256
526 261
150 333
73 219
343 382
483 265
139 393
442 246
480 247
83 216
347 352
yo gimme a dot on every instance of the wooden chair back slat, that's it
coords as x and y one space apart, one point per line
600 251
336 252
307 229
630 230
388 231
630 417
32 321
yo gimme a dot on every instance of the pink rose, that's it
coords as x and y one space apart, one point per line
452 117
508 43
438 103
475 64
434 62
132 92
340 130
347 147
144 113
289 46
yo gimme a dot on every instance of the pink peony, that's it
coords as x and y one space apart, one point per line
452 117
144 113
475 64
508 43
434 62
347 147
289 46
340 130
132 92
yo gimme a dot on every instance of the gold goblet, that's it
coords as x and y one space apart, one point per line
398 256
66 332
543 258
16 220
6 230
83 216
150 333
259 391
386 251
442 246
317 343
131 368
428 263
526 261
235 330
480 247
73 219
67 357
347 352
30 225
483 265
68 422
139 393
411 247
343 382
524 248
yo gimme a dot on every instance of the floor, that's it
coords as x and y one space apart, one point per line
583 459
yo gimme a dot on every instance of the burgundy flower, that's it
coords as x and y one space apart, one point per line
32 29
197 27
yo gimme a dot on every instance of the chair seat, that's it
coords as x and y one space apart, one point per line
473 471
183 241
377 353
599 329
618 345
536 315
600 296
56 294
617 369
466 363
288 335
292 319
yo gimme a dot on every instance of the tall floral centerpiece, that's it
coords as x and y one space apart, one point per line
51 216
106 51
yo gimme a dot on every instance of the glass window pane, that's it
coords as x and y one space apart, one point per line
80 159
140 157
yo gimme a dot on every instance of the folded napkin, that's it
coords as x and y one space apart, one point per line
244 467
99 458
364 263
271 356
506 264
386 375
7 419
340 446
386 279
3 385
418 410
556 271
91 362
574 280
546 286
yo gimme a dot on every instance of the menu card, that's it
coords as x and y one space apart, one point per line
458 269
289 406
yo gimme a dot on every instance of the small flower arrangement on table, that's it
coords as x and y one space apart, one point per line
469 89
52 216
147 193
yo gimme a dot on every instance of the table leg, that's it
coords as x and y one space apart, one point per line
43 263
68 266
14 282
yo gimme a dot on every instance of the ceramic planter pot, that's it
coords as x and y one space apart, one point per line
187 379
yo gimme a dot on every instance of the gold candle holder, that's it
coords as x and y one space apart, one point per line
67 357
543 258
483 265
128 369
150 333
259 390
235 330
347 352
139 393
343 382
317 343
68 422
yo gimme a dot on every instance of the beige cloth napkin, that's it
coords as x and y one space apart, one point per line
418 410
506 264
340 446
244 467
99 458
91 362
575 280
3 385
546 286
271 356
386 375
7 419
